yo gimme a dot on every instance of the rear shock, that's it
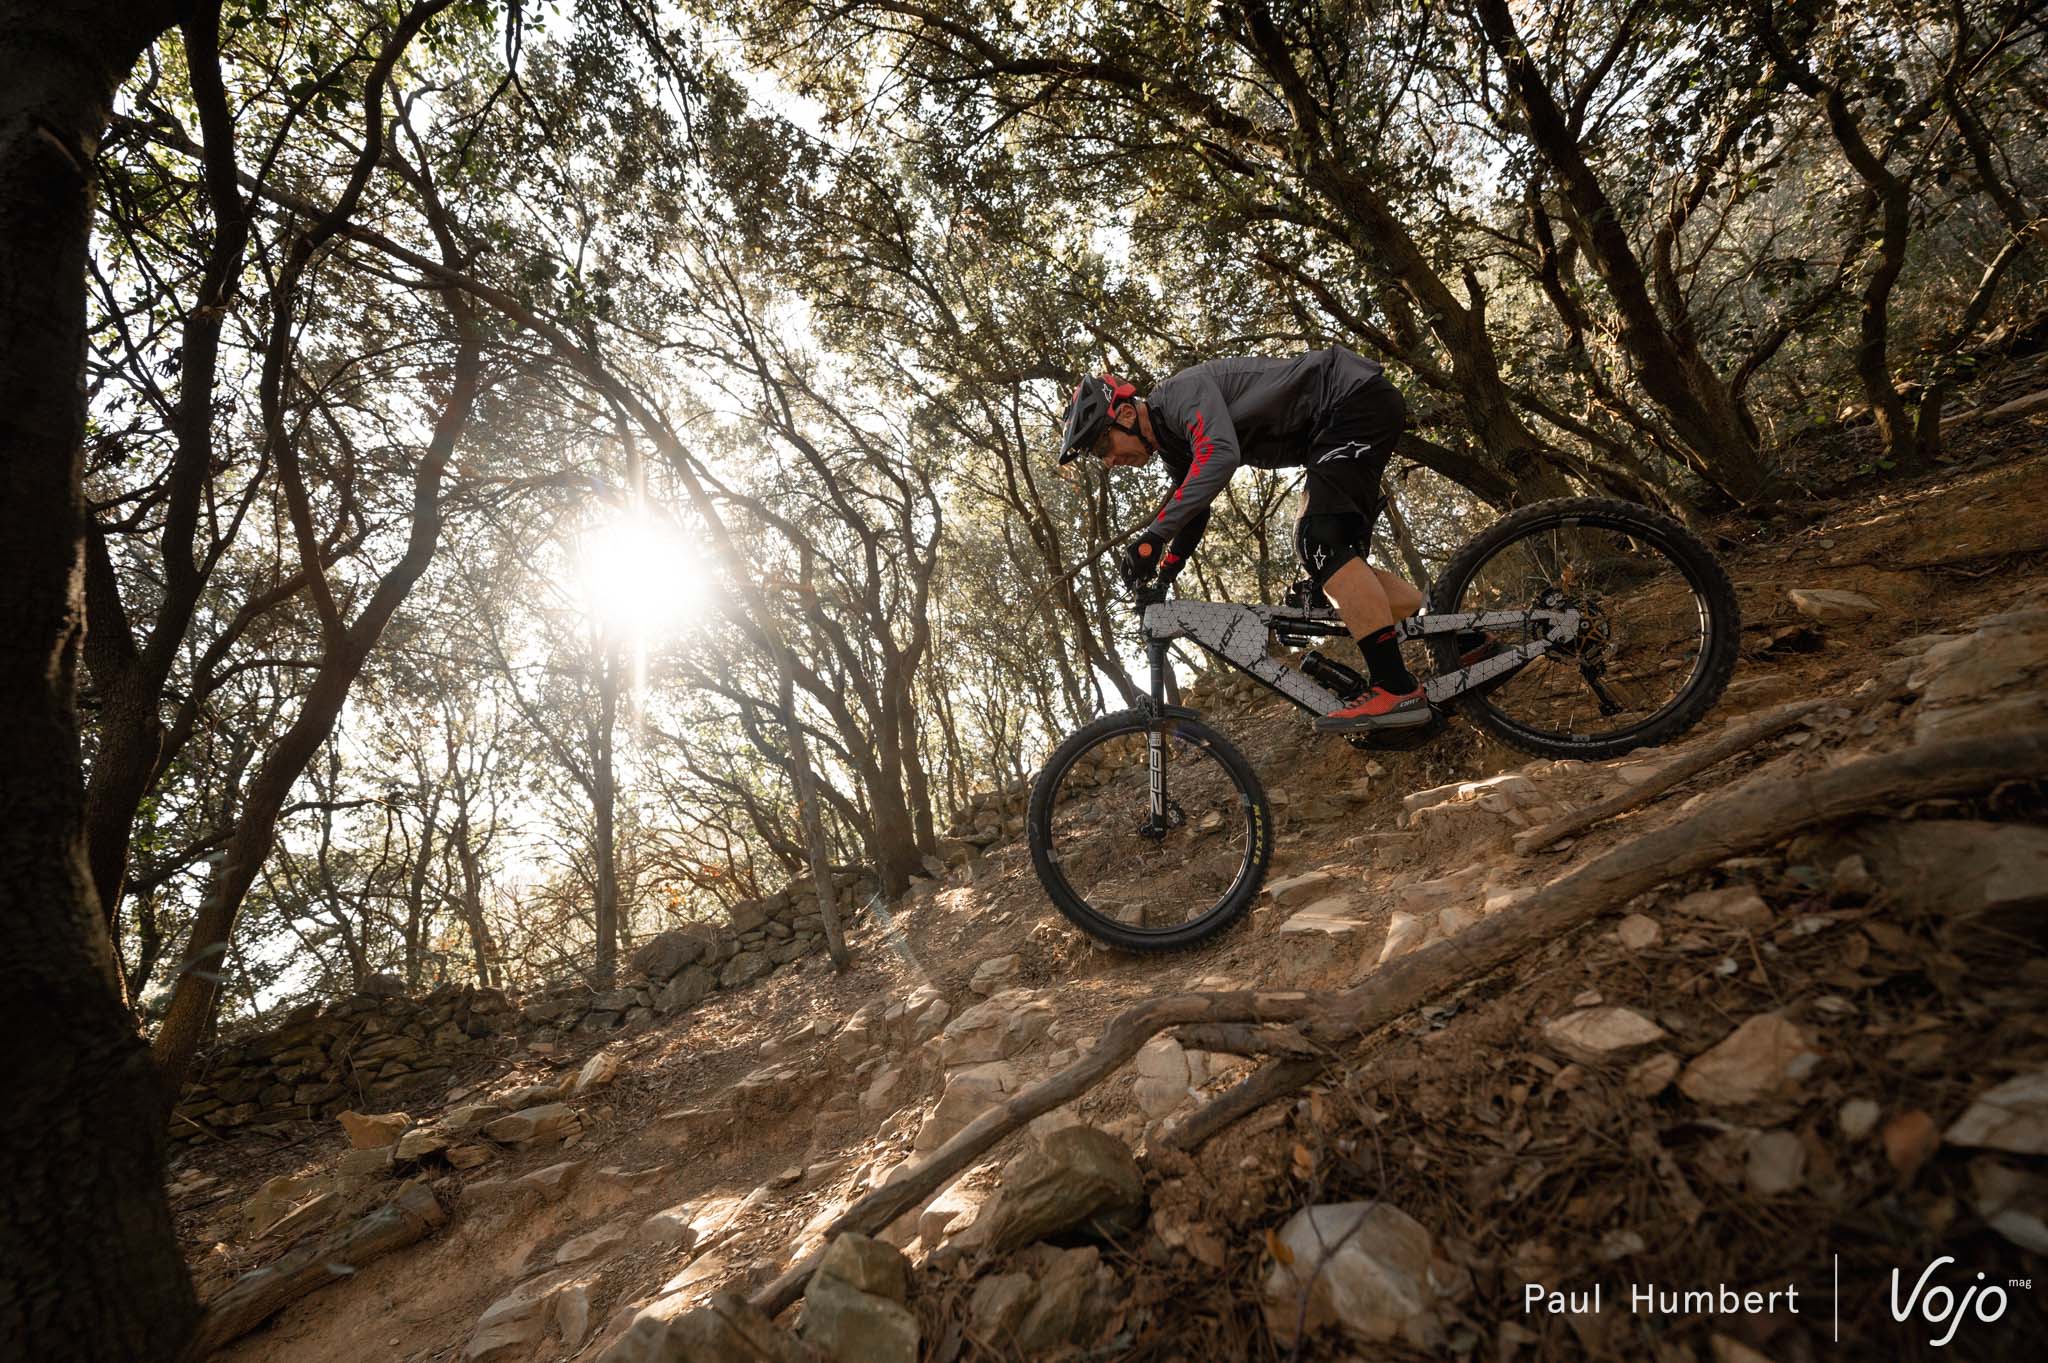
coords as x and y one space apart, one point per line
1348 685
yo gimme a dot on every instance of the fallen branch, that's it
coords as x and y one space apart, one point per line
412 1215
1755 815
1128 1031
1683 769
1236 1038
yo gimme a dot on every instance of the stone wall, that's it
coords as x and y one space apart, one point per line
990 816
357 1051
361 1052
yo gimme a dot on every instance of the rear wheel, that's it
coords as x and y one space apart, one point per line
1658 628
1133 878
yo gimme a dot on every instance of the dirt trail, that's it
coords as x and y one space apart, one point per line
765 1108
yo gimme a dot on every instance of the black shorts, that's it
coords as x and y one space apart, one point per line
1347 456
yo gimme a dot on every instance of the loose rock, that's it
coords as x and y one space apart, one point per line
997 1029
1081 1176
1761 1058
2012 1116
1828 605
1365 1267
1598 1034
1638 932
1776 1164
996 974
367 1131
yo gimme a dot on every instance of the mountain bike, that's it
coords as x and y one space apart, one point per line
1607 627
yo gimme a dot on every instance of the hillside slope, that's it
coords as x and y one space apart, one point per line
1754 1074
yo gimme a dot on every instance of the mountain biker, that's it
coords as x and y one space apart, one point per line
1330 412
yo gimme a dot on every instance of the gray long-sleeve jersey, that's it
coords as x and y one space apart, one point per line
1214 416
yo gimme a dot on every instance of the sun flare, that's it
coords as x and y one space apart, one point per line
640 576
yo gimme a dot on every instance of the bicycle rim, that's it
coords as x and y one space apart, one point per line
1645 635
1130 878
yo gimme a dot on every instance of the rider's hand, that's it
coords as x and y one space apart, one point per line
1141 559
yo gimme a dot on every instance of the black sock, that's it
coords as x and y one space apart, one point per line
1383 660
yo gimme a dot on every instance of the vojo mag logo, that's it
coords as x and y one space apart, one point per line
1941 1310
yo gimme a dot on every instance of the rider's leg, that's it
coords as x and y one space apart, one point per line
1402 599
1360 597
1346 458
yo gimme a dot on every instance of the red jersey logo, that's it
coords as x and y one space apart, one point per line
1203 447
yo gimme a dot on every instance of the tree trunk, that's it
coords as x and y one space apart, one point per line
1700 407
89 1268
604 791
197 995
818 854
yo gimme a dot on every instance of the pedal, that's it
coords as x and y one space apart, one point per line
1401 740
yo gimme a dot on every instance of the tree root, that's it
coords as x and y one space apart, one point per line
410 1216
1684 769
1754 815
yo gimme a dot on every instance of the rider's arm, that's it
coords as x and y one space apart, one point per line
1186 541
1212 441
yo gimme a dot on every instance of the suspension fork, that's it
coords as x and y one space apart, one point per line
1155 736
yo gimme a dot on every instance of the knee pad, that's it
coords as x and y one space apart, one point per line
1326 543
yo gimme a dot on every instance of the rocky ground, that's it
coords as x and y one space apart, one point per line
1828 1055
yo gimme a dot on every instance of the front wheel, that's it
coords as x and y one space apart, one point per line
1658 626
1142 874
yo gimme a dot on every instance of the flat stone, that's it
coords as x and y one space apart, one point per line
554 1181
1737 906
594 1244
1829 605
1991 681
1364 1267
2013 1116
669 1226
661 956
469 1116
996 974
1638 932
1333 915
1300 889
421 1142
513 1324
1776 1163
1594 1035
367 1131
1060 1313
370 1162
1762 1058
549 1122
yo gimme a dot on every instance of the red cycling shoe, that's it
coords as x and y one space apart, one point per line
1378 708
